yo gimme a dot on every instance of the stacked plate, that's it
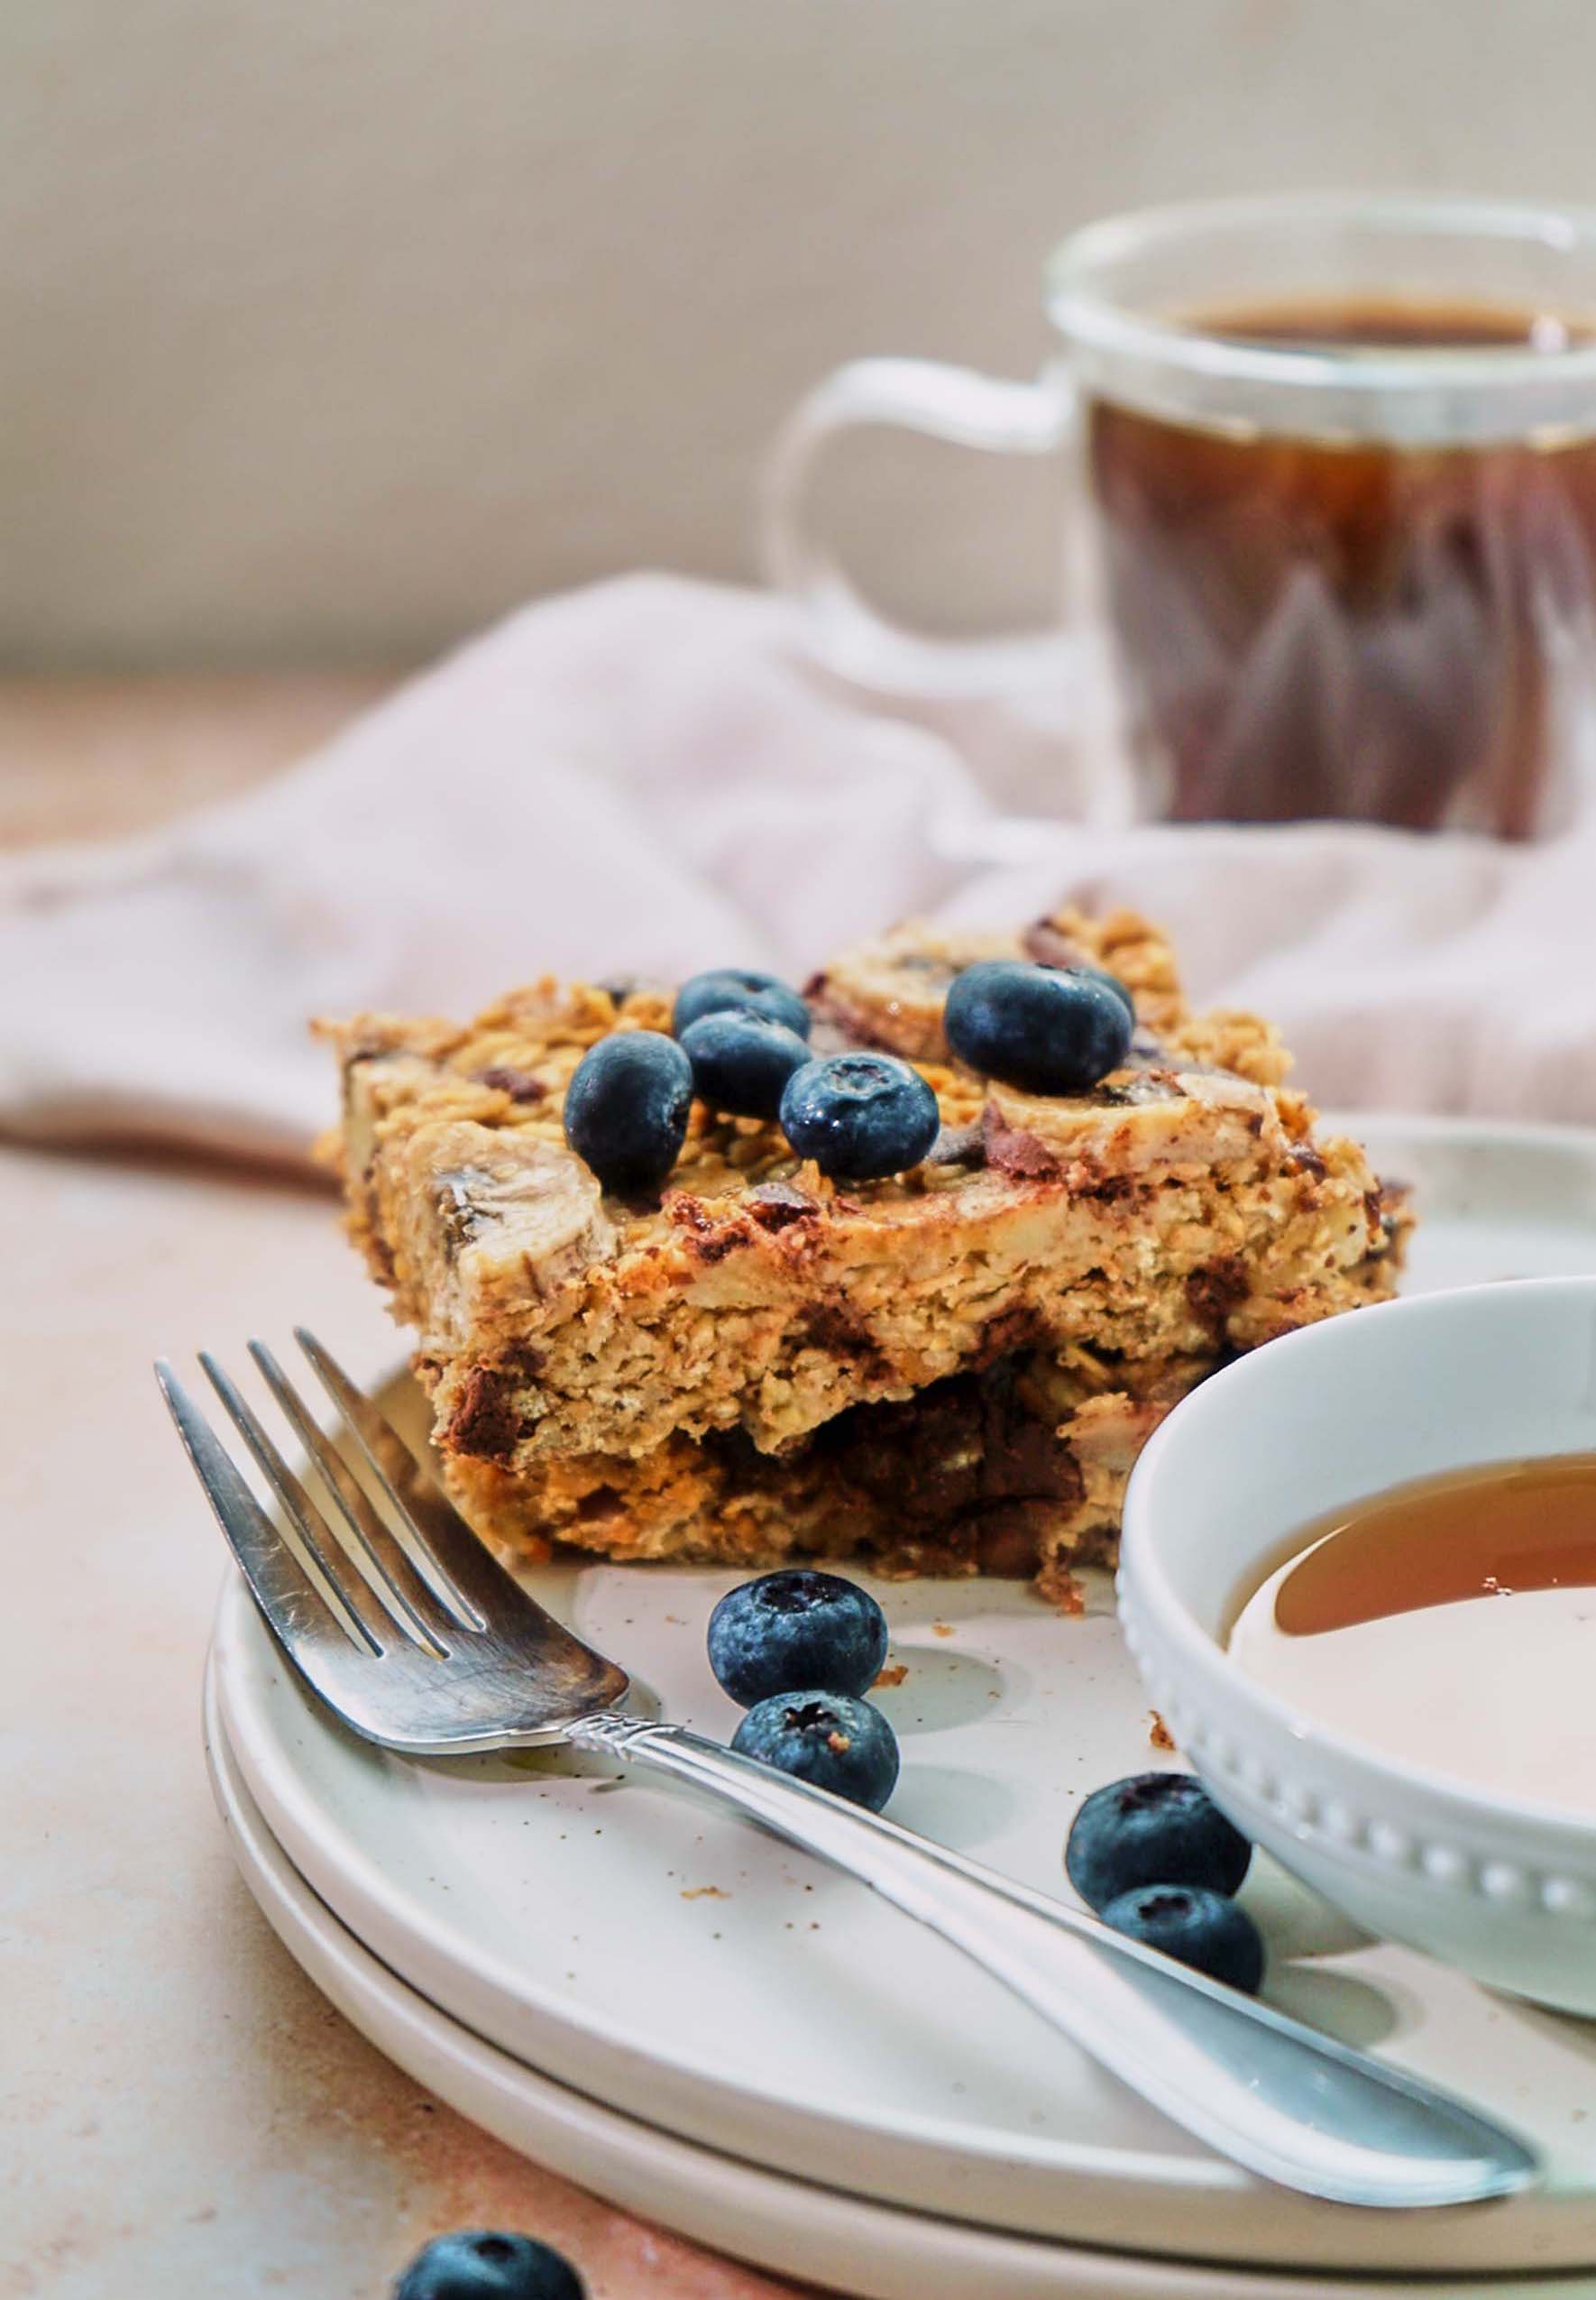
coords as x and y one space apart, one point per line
679 2012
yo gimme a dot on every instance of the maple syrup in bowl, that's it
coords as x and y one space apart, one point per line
1359 1577
1452 1622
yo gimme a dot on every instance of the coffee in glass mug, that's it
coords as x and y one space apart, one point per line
1337 469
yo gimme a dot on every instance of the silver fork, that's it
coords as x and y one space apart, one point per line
400 1618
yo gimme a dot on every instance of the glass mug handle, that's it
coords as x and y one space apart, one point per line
952 403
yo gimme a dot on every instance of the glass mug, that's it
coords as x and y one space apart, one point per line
1337 484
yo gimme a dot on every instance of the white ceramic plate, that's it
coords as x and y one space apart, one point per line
787 2225
688 1971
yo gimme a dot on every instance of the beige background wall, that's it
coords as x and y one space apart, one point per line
330 327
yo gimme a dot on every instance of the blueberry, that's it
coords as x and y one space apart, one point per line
1109 982
826 1738
1036 1026
625 1108
741 1061
796 1628
860 1116
730 989
1198 1926
1152 1829
480 2263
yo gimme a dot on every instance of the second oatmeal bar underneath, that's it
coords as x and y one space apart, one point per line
953 1368
1019 1470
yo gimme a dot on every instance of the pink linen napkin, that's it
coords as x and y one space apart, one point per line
650 777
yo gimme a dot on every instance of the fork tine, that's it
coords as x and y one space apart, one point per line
369 1546
462 1569
296 1602
315 1536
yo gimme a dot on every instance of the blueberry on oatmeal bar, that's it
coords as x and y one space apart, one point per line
741 1061
626 1110
729 989
1048 1030
860 1117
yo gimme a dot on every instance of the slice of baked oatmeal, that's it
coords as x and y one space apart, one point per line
948 1367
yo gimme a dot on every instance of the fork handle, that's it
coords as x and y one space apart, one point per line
1264 2090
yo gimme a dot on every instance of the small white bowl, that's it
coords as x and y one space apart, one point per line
1504 1887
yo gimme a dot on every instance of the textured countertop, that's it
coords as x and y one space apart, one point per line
183 2115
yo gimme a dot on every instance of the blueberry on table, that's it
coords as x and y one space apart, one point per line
860 1116
828 1739
1037 1028
729 989
1152 1829
1198 1927
482 2264
741 1061
625 1108
796 1628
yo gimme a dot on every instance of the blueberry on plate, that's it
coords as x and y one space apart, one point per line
730 989
625 1108
1037 1028
741 1061
1152 1829
482 2264
828 1739
796 1628
1199 1927
860 1116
